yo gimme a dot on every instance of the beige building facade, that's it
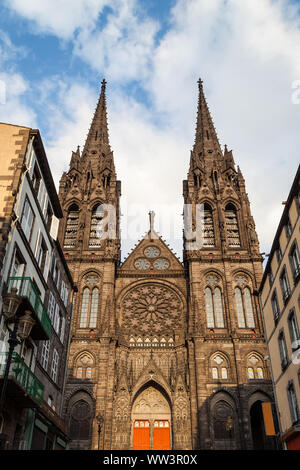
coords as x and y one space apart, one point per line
280 298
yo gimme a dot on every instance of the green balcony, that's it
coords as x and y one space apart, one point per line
22 386
27 290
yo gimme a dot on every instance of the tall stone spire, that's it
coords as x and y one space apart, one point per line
97 138
206 144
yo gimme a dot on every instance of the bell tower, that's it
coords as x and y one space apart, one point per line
89 234
224 271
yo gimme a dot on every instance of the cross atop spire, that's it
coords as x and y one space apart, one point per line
206 139
98 138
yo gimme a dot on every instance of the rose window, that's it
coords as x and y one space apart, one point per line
151 308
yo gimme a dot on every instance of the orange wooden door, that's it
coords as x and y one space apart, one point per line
141 435
161 435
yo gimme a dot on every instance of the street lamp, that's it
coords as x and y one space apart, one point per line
22 324
100 421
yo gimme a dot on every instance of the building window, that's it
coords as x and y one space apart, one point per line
27 220
294 330
219 367
56 323
244 308
80 421
45 354
48 217
271 278
18 266
285 285
41 252
36 179
208 227
293 403
295 261
283 350
96 229
72 225
84 307
79 373
62 329
288 229
94 308
275 307
214 308
232 228
89 308
255 369
51 306
260 373
54 367
278 254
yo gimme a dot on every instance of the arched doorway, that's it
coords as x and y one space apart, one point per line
257 426
151 421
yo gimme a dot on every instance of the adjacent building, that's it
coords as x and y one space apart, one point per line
29 254
164 354
280 299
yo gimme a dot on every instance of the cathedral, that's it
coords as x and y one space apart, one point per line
164 354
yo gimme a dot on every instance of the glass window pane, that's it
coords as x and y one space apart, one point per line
249 308
94 308
209 308
84 308
218 308
239 308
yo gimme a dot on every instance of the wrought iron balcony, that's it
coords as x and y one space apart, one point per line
23 386
25 288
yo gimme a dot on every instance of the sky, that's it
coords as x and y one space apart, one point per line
54 55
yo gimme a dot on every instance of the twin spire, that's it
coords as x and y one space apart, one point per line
98 138
206 145
206 139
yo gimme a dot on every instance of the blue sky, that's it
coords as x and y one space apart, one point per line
54 54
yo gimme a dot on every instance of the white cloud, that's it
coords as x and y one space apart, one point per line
59 17
247 54
13 86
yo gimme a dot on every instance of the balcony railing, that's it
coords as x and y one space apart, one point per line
24 377
25 288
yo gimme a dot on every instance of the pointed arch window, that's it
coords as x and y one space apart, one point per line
244 308
255 367
96 229
208 227
84 307
80 421
71 227
89 308
232 227
214 308
219 367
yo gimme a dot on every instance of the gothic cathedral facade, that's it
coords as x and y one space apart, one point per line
169 354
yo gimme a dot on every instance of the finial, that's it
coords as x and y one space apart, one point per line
151 219
200 83
103 83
